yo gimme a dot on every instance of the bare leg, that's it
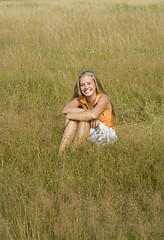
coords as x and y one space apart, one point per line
68 135
82 133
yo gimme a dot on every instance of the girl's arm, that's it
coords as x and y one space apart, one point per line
93 114
72 107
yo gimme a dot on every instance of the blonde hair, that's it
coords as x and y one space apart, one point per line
99 89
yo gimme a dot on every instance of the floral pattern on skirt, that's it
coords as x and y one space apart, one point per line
102 135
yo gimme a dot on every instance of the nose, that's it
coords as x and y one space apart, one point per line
86 88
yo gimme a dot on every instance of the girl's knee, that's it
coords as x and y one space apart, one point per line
70 128
72 123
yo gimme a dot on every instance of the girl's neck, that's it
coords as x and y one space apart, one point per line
92 98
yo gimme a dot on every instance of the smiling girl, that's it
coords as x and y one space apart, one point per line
90 114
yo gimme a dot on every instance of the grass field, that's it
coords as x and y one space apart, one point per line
105 193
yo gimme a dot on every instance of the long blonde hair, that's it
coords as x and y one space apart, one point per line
99 89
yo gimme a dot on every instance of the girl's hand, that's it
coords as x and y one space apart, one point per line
95 123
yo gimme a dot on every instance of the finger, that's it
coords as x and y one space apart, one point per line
98 123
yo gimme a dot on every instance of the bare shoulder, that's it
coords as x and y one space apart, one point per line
106 100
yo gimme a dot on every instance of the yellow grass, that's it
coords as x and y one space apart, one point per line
112 192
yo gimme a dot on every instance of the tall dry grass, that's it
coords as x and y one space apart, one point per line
112 192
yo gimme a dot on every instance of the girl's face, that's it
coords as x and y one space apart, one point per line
87 86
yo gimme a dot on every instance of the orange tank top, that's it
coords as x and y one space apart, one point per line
105 117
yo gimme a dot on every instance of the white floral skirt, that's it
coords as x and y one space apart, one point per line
102 135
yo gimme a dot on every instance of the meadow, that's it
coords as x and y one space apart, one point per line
105 193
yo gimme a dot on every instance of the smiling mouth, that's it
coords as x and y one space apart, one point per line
87 91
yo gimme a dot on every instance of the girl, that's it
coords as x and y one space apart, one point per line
90 114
